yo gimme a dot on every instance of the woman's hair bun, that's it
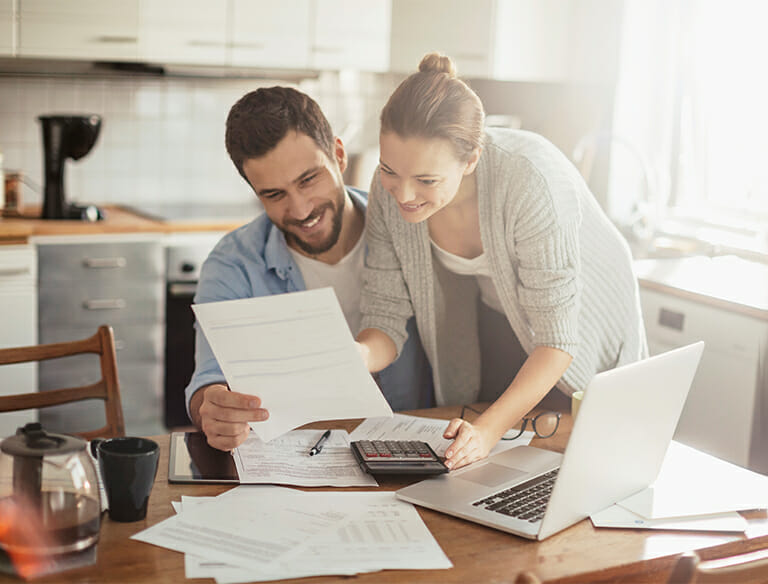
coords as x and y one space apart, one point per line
437 63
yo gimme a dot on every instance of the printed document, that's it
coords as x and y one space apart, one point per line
429 430
375 531
296 353
285 460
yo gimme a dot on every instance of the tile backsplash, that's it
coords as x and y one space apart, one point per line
162 139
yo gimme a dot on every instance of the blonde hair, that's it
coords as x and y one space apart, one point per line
434 103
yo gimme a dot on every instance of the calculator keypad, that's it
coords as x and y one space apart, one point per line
397 456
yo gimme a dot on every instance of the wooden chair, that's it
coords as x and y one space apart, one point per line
743 568
107 388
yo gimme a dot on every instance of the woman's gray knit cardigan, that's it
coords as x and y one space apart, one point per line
563 272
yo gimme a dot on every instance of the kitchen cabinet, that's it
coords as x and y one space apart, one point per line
724 302
183 32
351 34
18 315
7 28
269 34
86 281
518 40
102 30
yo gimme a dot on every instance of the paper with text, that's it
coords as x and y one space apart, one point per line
380 533
296 353
285 460
429 430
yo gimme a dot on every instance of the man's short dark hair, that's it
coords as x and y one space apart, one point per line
261 118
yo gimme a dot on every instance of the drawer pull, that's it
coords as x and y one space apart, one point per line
105 304
101 263
671 319
20 271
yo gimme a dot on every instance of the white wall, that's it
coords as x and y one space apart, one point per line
162 139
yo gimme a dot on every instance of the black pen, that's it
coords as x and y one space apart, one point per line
319 446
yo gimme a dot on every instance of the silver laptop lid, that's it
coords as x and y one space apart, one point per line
625 424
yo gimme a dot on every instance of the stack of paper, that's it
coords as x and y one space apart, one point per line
694 491
261 533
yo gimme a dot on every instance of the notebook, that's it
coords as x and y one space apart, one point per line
625 424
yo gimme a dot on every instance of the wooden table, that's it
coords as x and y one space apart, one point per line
581 553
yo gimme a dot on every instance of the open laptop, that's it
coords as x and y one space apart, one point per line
625 424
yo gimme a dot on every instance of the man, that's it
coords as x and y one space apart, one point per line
310 236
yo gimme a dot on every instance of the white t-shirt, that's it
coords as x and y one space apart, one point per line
345 277
477 267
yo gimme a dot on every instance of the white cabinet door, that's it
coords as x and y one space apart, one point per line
720 413
7 29
18 315
349 34
270 34
183 31
104 30
457 28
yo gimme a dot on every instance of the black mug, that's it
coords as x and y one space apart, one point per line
128 468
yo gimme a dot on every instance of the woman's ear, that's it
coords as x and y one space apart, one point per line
473 160
341 154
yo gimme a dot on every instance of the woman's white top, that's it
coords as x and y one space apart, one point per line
479 267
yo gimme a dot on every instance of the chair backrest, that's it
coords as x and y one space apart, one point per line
742 569
107 388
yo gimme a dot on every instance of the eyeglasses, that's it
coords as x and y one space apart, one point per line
544 424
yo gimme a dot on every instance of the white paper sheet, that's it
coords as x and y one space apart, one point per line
377 532
618 517
295 352
692 482
429 430
286 460
249 532
380 533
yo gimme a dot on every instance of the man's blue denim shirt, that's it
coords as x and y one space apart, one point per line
254 261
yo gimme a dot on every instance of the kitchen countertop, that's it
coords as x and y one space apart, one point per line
14 230
727 282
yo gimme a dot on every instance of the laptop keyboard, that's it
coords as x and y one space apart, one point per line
526 501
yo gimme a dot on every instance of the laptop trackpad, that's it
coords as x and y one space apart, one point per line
492 475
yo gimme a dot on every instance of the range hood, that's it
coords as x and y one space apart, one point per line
22 66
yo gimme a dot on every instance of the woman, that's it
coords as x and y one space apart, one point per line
457 213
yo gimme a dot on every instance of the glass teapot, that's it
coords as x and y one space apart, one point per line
49 494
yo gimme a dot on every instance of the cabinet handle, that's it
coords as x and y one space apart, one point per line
258 46
204 43
334 50
671 319
117 40
20 271
101 263
105 304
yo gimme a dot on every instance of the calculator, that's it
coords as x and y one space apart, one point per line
397 457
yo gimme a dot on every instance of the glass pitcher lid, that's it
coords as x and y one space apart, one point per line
32 441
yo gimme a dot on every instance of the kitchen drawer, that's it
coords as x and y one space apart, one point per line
675 322
106 303
116 262
132 342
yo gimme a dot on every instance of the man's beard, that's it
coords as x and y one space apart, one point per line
333 237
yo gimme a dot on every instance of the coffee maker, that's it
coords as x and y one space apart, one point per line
66 137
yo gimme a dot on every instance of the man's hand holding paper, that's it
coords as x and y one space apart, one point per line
224 416
296 353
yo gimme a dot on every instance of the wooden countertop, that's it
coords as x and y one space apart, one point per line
727 282
14 230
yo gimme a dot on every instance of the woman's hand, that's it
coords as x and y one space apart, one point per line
471 443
